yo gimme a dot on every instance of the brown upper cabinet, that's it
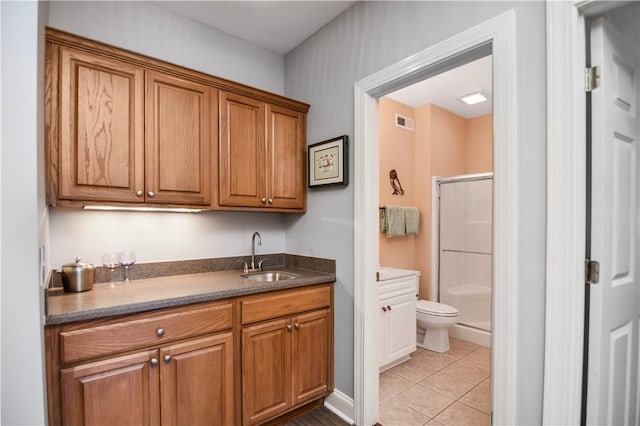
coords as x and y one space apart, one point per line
125 129
261 153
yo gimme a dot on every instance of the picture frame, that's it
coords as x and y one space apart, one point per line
328 162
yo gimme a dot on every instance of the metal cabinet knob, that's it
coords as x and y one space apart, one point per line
263 200
153 362
139 193
289 327
297 326
167 358
160 332
270 201
151 194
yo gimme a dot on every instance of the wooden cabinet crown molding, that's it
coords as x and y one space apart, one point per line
77 42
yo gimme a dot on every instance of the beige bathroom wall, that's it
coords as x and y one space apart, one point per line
443 144
479 153
397 150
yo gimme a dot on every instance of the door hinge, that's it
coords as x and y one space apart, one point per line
591 75
591 271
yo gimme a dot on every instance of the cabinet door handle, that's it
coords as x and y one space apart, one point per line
167 358
263 200
297 326
160 332
153 362
389 307
289 327
139 193
384 309
151 194
270 201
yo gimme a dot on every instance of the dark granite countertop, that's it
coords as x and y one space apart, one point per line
139 295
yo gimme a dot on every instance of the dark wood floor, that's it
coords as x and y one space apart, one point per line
318 417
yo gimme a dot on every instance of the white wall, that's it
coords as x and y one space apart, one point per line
365 39
146 28
161 236
149 29
21 213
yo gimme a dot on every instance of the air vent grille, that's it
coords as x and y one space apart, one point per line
404 122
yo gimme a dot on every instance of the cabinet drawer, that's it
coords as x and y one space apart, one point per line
143 331
288 302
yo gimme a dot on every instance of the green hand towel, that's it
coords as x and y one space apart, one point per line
395 221
412 220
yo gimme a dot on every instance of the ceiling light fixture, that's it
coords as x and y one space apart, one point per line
473 98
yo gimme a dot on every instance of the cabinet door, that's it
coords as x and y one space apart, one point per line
241 151
400 326
310 356
286 153
197 381
382 335
101 150
266 368
178 140
116 391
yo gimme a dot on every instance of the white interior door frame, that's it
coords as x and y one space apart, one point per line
566 208
500 33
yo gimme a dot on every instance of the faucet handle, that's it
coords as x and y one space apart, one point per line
260 264
245 269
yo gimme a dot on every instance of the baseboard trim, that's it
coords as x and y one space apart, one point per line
341 405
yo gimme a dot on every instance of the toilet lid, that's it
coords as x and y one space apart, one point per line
435 308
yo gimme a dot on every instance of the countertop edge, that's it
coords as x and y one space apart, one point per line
132 308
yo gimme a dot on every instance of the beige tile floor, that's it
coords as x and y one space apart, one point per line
447 389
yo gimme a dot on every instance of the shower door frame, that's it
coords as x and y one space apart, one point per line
435 228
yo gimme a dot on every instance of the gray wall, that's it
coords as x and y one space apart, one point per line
371 36
147 28
22 213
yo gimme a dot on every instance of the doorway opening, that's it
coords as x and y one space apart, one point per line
440 149
495 37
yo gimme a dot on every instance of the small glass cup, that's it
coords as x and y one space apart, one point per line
127 258
111 261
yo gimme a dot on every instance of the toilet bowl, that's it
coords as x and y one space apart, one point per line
434 319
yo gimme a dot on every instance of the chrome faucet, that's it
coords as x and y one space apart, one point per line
253 252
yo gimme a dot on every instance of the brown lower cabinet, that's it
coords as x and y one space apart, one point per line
184 365
287 351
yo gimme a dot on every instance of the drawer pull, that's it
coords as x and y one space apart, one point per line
384 309
389 307
289 327
160 332
153 362
297 326
167 358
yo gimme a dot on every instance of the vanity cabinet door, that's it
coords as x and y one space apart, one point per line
399 325
197 381
116 391
101 134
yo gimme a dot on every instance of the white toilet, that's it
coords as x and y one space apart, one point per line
434 319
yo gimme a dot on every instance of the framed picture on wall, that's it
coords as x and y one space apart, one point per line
328 163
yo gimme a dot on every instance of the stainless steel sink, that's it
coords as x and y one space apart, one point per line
269 276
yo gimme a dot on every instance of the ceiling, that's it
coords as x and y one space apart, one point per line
282 25
275 25
444 89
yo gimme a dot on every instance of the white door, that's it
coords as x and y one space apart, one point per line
612 397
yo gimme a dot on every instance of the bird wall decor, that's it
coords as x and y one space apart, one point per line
395 183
